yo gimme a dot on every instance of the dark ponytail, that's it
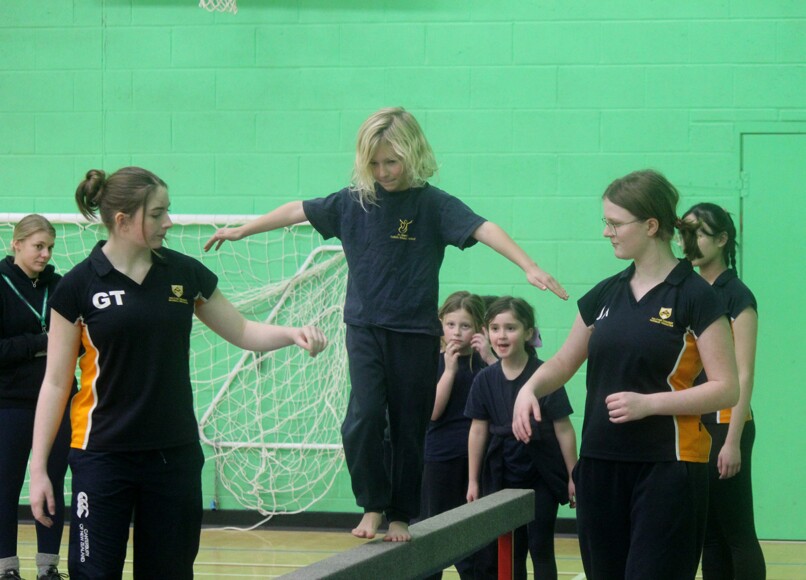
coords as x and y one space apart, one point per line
125 191
88 193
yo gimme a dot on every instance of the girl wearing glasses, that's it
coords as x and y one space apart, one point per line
647 332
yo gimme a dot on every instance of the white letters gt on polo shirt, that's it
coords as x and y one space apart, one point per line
102 299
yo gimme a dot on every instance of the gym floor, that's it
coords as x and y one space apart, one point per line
238 555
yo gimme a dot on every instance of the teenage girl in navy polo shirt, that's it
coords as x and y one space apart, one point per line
135 449
544 464
394 228
731 546
465 352
646 333
26 281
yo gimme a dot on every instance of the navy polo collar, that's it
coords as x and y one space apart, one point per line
675 277
103 266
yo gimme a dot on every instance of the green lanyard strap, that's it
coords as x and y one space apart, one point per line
39 316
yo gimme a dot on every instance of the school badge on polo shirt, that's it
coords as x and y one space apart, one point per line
664 314
403 231
178 291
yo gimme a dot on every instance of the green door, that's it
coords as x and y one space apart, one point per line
773 257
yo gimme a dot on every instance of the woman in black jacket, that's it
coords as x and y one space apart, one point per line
26 282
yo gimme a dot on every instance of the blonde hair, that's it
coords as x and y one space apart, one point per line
31 224
400 130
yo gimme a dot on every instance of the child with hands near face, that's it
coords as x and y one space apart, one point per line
466 351
497 460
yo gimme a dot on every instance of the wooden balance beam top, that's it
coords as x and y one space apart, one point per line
436 543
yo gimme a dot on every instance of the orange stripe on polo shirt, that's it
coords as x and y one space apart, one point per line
693 441
85 400
725 415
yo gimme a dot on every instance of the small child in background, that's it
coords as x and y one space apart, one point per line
465 352
544 464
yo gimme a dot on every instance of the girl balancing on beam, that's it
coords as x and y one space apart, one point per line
394 227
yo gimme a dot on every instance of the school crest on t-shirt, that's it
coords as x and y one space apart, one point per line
664 314
178 292
403 231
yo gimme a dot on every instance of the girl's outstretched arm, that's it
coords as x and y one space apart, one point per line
495 237
221 317
286 215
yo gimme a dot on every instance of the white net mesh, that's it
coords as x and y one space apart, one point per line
219 5
271 420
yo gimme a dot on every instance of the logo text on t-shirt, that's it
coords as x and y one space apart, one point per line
103 299
403 231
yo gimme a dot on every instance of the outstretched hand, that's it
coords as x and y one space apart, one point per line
311 338
222 235
526 407
545 281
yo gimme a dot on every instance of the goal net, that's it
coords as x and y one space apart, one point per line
269 421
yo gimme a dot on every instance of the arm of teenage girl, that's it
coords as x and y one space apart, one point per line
549 377
445 382
716 351
496 238
745 332
715 345
567 438
63 345
476 444
286 215
221 317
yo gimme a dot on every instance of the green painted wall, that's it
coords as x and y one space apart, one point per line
531 106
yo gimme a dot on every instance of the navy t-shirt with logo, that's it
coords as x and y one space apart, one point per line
737 298
394 251
135 392
646 346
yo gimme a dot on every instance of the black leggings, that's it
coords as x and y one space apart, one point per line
731 546
16 433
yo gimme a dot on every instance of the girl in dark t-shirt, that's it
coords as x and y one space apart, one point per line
497 460
731 547
646 333
394 227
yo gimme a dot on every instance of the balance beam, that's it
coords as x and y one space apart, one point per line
436 543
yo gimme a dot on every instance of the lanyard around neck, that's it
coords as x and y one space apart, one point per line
39 316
